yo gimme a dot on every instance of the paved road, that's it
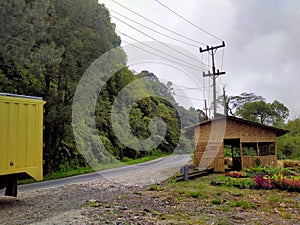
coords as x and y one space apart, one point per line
139 174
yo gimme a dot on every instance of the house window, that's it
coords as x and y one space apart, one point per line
263 149
249 149
272 148
266 148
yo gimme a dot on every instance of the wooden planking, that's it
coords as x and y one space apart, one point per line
208 137
218 164
208 152
249 161
248 133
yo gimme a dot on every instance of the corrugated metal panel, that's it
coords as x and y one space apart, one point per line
21 135
20 96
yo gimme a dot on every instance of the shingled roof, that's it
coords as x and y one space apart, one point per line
278 131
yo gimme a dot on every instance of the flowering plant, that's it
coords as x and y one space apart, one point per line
264 182
290 183
234 174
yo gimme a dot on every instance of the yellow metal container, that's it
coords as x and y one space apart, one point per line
21 135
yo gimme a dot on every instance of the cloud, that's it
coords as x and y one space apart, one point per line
262 40
264 53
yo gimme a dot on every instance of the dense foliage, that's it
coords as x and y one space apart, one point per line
141 114
46 46
289 144
235 102
268 113
254 107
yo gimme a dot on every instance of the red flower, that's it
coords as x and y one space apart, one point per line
234 174
287 182
260 181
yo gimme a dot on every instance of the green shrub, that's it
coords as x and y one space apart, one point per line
243 204
193 193
270 171
155 187
257 162
216 201
291 164
241 182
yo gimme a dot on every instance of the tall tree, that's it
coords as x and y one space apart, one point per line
258 111
232 103
46 45
268 113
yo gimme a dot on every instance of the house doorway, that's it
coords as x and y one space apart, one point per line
232 149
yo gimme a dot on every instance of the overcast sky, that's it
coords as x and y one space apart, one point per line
262 45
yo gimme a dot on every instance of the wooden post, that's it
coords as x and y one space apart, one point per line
185 171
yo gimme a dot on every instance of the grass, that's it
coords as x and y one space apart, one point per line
129 161
84 170
225 208
237 194
59 174
155 187
193 193
274 198
201 194
216 201
285 215
244 204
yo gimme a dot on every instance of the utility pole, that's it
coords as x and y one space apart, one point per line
205 105
215 73
225 102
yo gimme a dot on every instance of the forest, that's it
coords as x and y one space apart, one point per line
47 45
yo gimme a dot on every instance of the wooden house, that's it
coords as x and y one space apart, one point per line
250 143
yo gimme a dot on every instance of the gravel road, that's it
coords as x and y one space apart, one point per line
118 197
135 175
77 200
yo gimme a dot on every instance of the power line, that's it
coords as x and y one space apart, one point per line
197 99
168 60
186 65
16 46
187 88
182 89
157 24
195 25
8 65
18 39
158 32
162 43
223 53
12 37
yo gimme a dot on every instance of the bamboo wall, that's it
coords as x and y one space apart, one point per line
209 139
249 161
209 149
248 133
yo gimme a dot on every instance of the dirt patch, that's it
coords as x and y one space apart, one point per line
100 202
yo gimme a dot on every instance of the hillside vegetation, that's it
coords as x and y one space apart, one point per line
46 47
